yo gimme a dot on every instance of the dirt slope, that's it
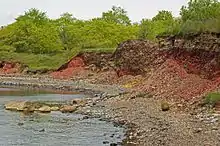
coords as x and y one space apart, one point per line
177 67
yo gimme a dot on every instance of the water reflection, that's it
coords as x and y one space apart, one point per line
55 129
26 92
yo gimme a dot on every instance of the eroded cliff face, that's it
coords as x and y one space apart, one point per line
137 56
10 67
193 42
190 67
198 54
176 67
84 64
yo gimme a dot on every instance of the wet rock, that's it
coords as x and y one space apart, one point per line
165 106
85 117
79 102
44 109
55 108
28 110
15 105
105 142
68 109
118 137
42 130
20 124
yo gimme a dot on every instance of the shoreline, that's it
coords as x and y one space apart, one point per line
89 90
46 82
144 121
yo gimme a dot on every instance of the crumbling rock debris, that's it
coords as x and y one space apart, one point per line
136 56
100 60
178 67
201 41
191 67
83 63
10 67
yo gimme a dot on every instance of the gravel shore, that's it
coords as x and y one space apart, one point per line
146 123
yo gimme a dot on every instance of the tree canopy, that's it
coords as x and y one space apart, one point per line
117 15
34 32
197 10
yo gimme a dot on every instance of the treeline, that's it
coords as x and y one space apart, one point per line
198 16
34 32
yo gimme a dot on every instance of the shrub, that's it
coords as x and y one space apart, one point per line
212 98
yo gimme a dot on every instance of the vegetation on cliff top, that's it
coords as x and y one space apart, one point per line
36 40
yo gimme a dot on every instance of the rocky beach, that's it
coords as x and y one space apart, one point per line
141 114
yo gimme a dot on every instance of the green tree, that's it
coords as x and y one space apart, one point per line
163 16
117 15
36 16
144 28
161 23
198 10
33 33
65 19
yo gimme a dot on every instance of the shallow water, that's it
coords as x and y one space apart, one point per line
55 129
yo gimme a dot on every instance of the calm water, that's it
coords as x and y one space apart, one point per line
55 129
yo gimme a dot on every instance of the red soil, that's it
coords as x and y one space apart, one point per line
73 68
180 74
9 68
123 72
184 75
76 62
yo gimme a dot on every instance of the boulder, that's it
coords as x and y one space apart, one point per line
16 105
79 102
28 109
44 109
165 106
55 108
68 109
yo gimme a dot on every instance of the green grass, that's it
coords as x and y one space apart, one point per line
212 98
37 61
98 50
46 61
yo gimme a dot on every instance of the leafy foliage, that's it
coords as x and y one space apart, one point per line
163 16
34 39
198 10
34 32
158 25
199 16
117 15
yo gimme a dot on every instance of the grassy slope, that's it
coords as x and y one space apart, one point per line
107 50
36 62
44 61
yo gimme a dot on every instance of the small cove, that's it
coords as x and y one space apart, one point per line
52 129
